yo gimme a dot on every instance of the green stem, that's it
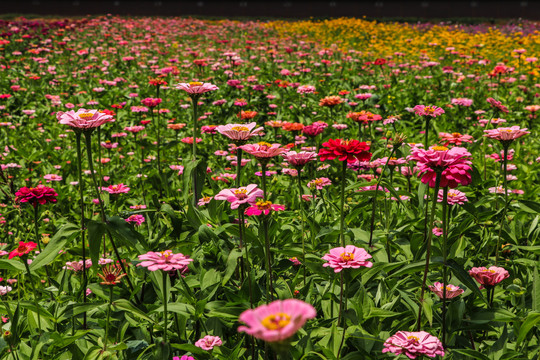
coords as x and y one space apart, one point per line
299 182
269 282
444 251
238 166
106 340
342 205
165 301
505 185
25 261
263 178
195 100
428 246
426 133
81 196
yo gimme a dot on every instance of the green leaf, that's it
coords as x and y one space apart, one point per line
465 278
66 233
232 262
96 230
536 290
123 304
532 319
122 230
472 354
180 308
12 265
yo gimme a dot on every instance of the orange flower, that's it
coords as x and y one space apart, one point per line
330 101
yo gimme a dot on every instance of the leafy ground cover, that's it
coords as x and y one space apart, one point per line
195 189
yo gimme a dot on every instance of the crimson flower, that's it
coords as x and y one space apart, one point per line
41 194
23 249
349 150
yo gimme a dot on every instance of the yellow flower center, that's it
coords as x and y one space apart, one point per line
262 143
439 148
347 256
412 337
393 158
195 83
86 116
206 198
264 205
239 128
276 321
165 253
456 134
240 191
429 109
448 288
507 130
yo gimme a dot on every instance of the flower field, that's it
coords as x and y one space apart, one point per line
186 189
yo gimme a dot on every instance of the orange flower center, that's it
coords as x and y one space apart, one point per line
412 337
429 109
195 83
239 128
262 143
456 134
439 148
347 256
86 116
263 205
165 253
276 321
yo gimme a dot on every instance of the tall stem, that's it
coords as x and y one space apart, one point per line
158 129
165 301
269 282
342 205
38 241
263 178
106 340
428 246
25 261
444 253
238 166
426 132
83 227
505 185
195 100
300 205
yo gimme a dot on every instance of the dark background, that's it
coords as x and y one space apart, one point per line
280 9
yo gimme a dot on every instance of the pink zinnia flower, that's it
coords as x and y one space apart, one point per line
78 265
454 164
413 344
497 105
489 277
183 357
116 189
430 110
451 290
164 260
83 120
319 183
239 133
299 159
208 342
455 138
453 197
23 249
52 177
243 195
276 321
506 134
263 150
151 102
462 101
204 200
136 219
347 257
262 207
196 88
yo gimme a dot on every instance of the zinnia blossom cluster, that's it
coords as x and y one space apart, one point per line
489 277
414 344
345 150
347 257
506 134
41 195
451 290
238 196
239 133
82 119
453 164
432 111
164 260
23 249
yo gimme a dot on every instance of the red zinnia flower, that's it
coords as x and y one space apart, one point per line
350 150
39 195
23 249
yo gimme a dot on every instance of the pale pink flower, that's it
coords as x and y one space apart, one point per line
413 344
462 101
238 196
455 138
204 200
77 265
196 88
52 177
453 197
451 290
239 132
347 257
208 342
319 183
4 290
506 134
264 150
82 119
136 219
489 277
299 159
164 260
116 189
277 321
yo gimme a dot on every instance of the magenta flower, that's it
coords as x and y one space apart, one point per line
413 344
183 357
489 277
164 260
454 164
349 256
83 120
497 105
506 134
116 189
41 195
453 197
196 88
136 219
451 290
262 207
432 111
264 150
238 196
239 133
208 342
277 321
151 102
